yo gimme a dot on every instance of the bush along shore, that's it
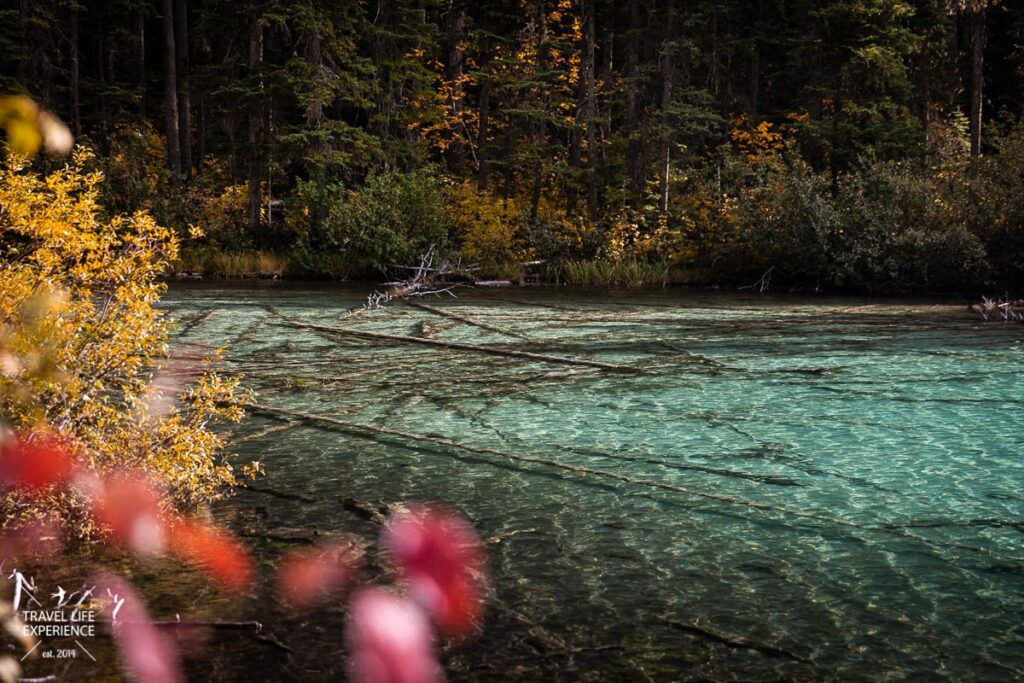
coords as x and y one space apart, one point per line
941 223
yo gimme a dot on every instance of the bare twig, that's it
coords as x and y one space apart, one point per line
1004 308
764 283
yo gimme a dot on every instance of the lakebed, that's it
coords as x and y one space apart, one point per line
784 488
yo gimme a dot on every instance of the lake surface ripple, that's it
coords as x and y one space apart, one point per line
847 474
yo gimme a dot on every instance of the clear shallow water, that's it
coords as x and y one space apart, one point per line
880 443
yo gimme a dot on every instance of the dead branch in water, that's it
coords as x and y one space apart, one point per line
764 283
275 493
426 280
995 309
458 346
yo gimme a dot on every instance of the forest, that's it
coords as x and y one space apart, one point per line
841 145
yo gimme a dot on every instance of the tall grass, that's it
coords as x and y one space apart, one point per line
608 273
234 264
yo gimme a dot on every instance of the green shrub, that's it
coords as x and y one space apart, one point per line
883 227
393 218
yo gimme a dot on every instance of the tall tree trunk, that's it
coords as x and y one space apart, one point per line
667 82
140 37
25 61
834 162
455 27
634 150
201 126
315 58
484 107
255 125
101 96
977 24
314 110
76 109
181 53
171 91
577 130
590 101
539 127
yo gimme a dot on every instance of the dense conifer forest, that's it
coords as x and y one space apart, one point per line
870 145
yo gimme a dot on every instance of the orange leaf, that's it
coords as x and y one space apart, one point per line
214 551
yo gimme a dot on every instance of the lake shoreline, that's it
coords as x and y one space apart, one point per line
966 299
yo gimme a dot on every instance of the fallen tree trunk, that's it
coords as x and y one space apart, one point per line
736 643
264 432
216 625
354 426
253 628
458 346
275 493
587 471
466 319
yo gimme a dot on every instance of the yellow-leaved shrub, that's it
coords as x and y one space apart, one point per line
81 339
487 227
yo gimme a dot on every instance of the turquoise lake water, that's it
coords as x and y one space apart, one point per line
848 496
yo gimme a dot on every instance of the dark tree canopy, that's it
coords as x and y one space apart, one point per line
612 112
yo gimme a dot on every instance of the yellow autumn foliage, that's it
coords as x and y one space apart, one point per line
755 141
487 227
81 340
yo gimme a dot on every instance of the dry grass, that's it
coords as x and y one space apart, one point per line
234 264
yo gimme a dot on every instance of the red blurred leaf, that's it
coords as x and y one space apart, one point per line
389 641
441 557
34 463
148 655
215 551
130 506
312 575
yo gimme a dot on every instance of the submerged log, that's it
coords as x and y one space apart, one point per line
275 493
466 319
903 532
736 643
254 630
264 432
458 346
576 469
215 625
365 510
